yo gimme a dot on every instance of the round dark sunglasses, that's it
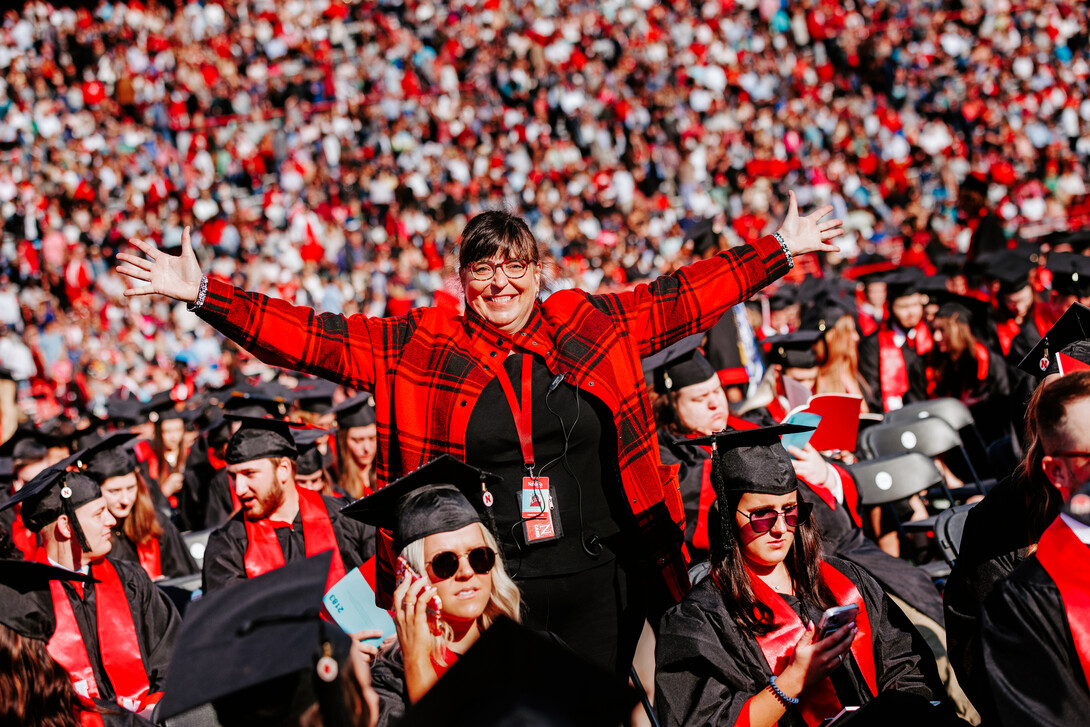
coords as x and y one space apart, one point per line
762 520
445 564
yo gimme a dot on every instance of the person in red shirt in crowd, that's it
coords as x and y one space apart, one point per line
582 566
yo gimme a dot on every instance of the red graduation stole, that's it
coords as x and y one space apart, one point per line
117 641
150 559
851 494
24 540
1007 331
263 552
818 701
1064 558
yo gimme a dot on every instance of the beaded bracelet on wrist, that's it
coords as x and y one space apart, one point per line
780 695
786 251
202 293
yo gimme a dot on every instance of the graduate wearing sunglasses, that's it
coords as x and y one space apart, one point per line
742 647
462 585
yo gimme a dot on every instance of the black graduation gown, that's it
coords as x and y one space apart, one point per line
174 557
1027 653
216 505
194 495
154 617
869 354
843 538
225 555
388 680
989 397
690 459
707 667
995 541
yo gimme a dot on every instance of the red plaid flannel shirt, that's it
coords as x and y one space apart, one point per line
428 368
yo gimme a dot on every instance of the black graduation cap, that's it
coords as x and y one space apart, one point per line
124 412
901 283
1070 273
27 444
1067 335
783 297
1011 268
309 460
752 460
314 395
975 182
443 495
261 437
256 401
551 686
793 350
164 406
114 462
257 646
26 606
679 365
359 411
826 310
62 488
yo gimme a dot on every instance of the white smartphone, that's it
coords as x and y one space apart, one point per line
834 618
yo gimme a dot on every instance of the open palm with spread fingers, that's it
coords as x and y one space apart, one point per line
177 276
809 233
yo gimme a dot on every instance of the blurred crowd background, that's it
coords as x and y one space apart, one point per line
329 152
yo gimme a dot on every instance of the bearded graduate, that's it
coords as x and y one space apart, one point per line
742 647
278 522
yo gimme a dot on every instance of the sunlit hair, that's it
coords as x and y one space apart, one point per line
142 525
839 351
34 689
496 232
503 601
803 564
352 478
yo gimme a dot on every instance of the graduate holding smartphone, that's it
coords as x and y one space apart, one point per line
451 584
777 634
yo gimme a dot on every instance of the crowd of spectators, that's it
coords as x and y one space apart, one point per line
328 152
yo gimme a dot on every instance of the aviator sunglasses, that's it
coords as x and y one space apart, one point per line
762 520
445 564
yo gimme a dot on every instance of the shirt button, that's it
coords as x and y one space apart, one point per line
492 354
462 403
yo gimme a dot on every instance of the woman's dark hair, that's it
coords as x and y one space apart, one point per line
956 369
495 232
803 564
34 689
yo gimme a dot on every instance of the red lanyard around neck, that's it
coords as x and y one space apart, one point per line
522 414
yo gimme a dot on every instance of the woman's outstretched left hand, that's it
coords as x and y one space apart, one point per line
810 233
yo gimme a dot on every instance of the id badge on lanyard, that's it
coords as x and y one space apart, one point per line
540 516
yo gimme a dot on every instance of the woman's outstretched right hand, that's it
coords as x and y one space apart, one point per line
176 276
813 660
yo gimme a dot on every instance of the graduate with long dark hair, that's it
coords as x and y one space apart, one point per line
743 645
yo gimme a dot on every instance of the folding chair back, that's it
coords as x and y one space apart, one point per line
196 542
949 527
893 478
930 436
951 411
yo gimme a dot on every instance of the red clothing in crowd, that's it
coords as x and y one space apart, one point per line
428 369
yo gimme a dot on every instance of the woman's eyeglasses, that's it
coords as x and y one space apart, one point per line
445 564
484 270
761 521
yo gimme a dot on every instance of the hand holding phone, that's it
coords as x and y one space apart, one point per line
834 618
403 571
